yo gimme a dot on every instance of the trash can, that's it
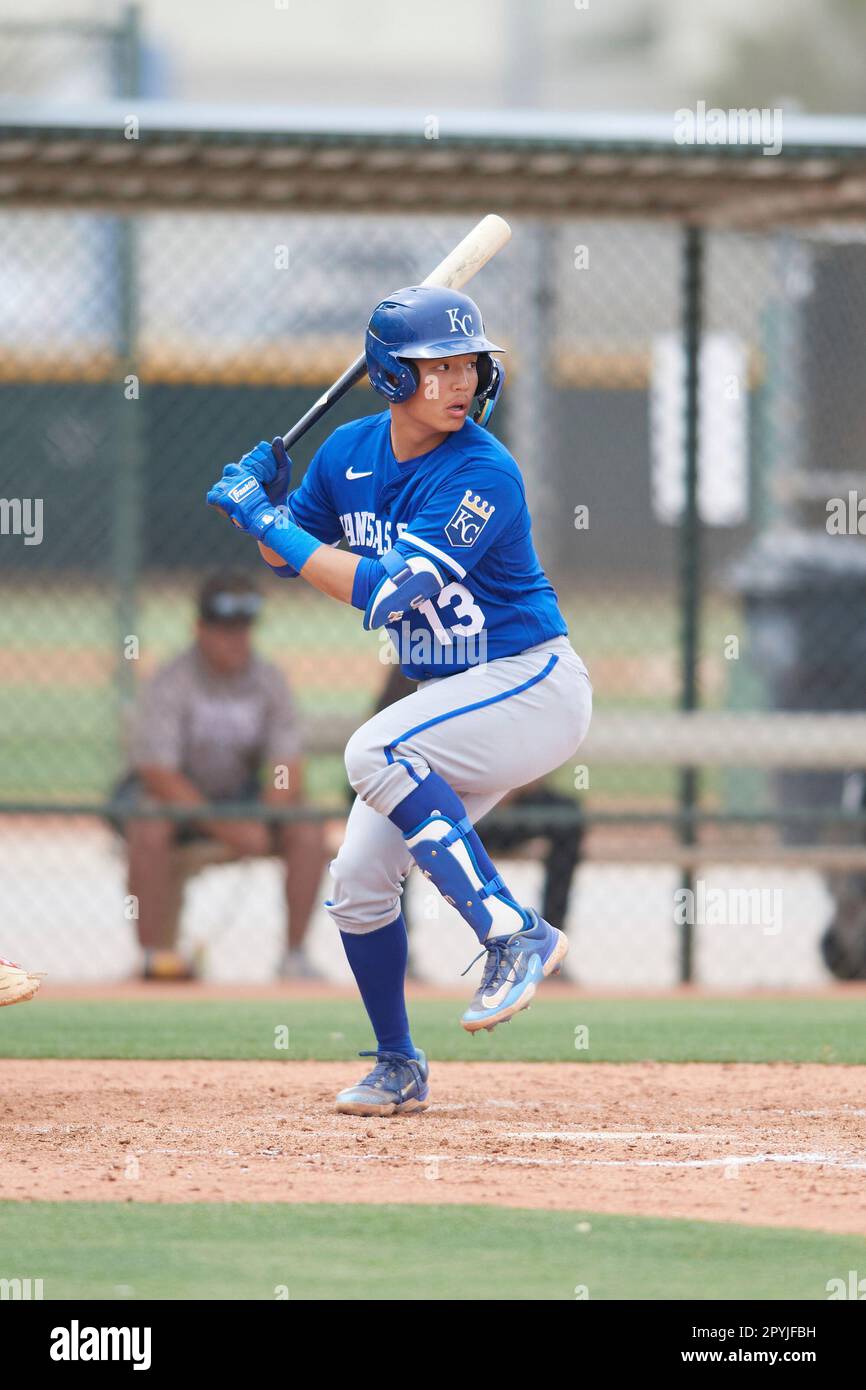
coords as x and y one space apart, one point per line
804 597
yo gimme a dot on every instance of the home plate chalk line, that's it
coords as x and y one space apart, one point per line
608 1135
434 1162
729 1161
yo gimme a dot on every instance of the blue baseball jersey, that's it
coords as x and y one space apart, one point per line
463 506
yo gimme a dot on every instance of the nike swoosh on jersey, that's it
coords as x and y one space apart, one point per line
351 474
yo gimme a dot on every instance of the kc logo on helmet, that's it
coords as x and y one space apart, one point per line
469 520
458 324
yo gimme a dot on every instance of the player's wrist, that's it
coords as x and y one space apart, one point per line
275 528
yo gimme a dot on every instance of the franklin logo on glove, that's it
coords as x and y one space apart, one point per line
237 494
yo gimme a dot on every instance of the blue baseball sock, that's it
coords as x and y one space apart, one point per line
378 961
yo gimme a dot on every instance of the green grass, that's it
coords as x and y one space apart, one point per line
633 1030
108 1250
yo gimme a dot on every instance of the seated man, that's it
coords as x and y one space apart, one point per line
217 723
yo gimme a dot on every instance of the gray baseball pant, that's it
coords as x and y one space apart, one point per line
485 730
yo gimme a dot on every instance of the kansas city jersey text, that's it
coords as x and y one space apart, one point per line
463 506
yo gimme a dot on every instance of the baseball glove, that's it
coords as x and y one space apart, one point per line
16 984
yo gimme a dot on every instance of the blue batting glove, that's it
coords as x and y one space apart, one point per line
261 462
253 495
278 488
243 499
270 465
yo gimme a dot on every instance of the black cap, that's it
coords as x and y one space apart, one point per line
229 597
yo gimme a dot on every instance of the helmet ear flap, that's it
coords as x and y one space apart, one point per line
393 377
485 372
407 362
485 400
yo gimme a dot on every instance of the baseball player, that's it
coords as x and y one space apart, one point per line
433 510
16 984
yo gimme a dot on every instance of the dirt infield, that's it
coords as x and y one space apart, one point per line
766 1144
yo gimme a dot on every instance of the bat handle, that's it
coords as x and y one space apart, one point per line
350 377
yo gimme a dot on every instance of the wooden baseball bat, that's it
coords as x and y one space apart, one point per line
480 245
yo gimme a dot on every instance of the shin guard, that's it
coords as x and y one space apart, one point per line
444 852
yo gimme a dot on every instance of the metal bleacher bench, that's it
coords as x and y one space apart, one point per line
701 739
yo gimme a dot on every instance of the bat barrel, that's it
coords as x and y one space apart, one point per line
481 244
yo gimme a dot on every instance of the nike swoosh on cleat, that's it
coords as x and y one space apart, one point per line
490 1001
350 473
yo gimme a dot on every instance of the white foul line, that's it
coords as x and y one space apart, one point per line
730 1160
608 1135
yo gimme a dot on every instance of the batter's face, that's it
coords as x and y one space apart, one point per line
446 388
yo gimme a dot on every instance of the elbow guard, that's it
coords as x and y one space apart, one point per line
407 584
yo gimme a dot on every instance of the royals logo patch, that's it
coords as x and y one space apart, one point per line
469 520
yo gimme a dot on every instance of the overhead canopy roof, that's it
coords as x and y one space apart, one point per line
341 159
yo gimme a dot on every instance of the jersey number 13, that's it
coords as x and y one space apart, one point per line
470 616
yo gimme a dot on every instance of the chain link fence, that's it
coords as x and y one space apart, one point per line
139 354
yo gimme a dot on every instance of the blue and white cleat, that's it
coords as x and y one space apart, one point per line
397 1085
515 965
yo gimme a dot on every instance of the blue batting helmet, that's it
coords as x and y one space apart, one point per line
425 321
